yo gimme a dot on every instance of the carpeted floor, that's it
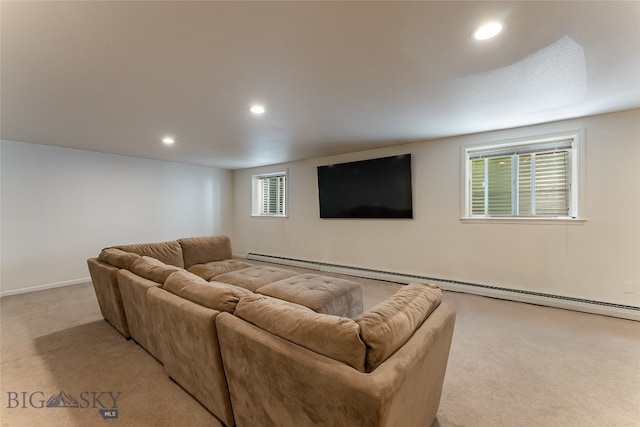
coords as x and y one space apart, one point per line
511 365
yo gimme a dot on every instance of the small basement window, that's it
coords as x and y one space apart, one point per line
269 194
525 179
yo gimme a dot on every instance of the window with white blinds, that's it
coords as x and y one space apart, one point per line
270 194
535 179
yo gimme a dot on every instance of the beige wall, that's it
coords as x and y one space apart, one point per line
590 260
61 206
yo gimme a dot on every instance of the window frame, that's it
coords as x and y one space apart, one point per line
257 194
576 179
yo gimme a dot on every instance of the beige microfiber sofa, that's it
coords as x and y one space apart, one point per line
264 346
211 259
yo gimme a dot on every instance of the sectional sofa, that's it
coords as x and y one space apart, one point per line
266 346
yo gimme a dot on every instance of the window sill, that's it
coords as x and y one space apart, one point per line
269 216
523 220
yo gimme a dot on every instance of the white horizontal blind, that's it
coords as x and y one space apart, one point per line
552 183
520 148
273 195
478 179
499 186
524 179
525 187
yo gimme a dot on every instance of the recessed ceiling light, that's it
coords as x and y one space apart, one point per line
168 140
488 31
257 109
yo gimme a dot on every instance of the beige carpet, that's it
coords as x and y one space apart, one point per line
511 364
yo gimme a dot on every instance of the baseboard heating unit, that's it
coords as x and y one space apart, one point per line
569 303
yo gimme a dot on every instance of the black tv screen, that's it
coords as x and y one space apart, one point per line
377 188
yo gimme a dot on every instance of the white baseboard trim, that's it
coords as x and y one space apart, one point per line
44 287
557 301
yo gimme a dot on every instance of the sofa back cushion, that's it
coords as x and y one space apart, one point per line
332 336
208 294
153 269
388 325
167 252
118 258
200 250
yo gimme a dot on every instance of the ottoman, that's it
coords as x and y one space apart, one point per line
322 294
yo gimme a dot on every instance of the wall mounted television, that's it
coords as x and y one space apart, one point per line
376 188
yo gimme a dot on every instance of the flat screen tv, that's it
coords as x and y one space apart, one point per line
376 188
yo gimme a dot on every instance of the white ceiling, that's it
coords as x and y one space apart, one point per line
335 77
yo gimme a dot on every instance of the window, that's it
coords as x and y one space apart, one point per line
527 179
270 194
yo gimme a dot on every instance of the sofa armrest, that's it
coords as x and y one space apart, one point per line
188 345
414 374
105 284
133 289
273 382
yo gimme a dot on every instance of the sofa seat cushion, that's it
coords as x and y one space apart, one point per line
118 258
255 277
208 294
153 269
388 325
201 250
214 268
332 336
167 252
322 294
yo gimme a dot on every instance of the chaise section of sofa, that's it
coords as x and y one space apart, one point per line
255 277
322 294
283 372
